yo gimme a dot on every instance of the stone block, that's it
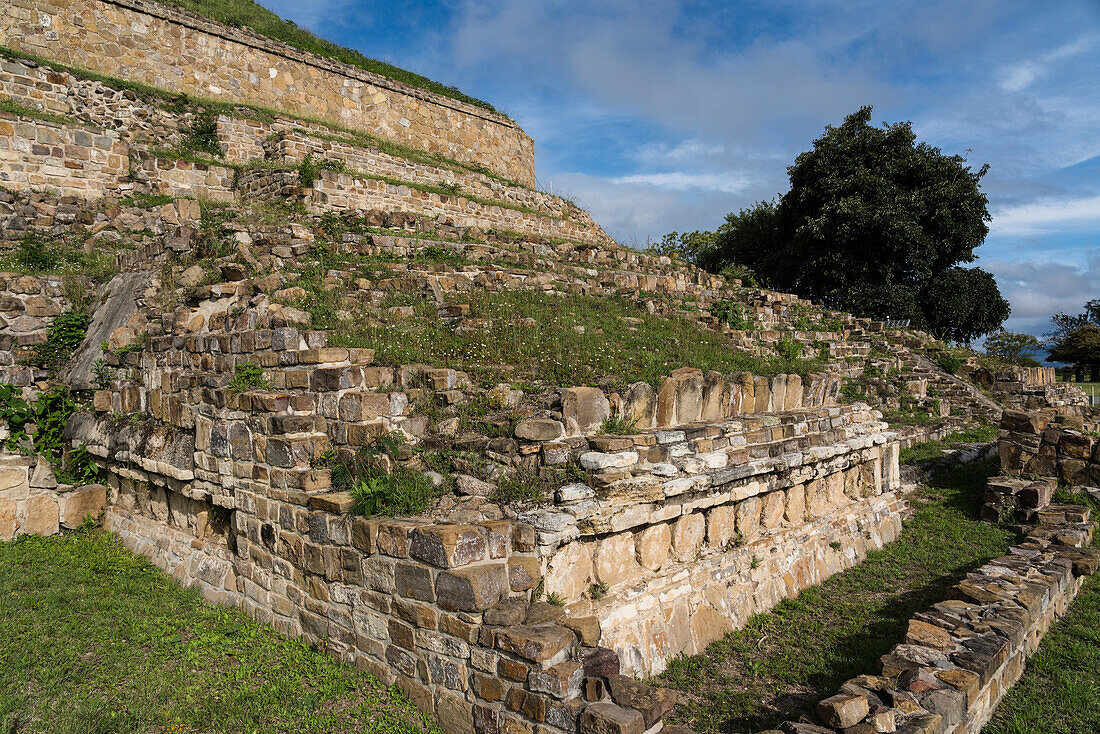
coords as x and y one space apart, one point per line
584 410
562 681
843 710
42 515
545 645
652 703
722 526
687 536
471 589
537 429
652 546
615 562
607 718
86 501
448 546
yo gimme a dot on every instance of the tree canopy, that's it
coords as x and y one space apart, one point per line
1013 348
1076 338
877 224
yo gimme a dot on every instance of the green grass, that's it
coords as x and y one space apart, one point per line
784 661
934 449
94 639
240 13
548 348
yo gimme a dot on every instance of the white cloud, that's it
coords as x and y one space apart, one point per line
730 183
1046 216
1038 290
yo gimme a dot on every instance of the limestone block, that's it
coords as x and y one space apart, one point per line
7 518
843 710
536 429
795 510
82 502
448 546
680 399
687 536
652 546
471 589
12 477
722 526
604 717
584 410
748 518
640 403
570 571
546 644
41 518
615 560
763 395
774 507
714 397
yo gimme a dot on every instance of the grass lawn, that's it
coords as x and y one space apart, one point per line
94 639
783 662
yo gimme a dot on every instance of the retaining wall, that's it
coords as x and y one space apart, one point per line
69 159
177 50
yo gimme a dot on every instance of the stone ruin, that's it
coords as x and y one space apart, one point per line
733 490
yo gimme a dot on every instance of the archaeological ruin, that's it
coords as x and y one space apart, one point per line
291 266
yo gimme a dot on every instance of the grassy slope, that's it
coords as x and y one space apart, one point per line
94 639
247 13
786 660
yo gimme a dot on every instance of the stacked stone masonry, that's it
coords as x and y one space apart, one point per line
147 42
70 159
961 656
1060 443
32 502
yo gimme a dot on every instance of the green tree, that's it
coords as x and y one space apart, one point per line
1080 348
1063 324
1013 348
961 304
873 219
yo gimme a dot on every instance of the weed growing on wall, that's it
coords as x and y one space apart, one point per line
248 375
377 480
49 413
66 333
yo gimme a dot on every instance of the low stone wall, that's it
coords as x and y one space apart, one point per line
343 192
91 101
684 534
1052 444
293 147
961 656
70 159
33 503
183 52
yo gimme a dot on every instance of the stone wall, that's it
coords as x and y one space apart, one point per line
183 52
961 656
68 159
33 503
681 535
177 177
28 304
1053 443
293 147
333 191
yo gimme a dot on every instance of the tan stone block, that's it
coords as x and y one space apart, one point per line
12 477
773 509
687 536
569 572
795 511
41 515
652 546
615 563
722 526
74 506
7 518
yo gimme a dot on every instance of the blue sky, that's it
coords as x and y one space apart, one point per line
665 115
